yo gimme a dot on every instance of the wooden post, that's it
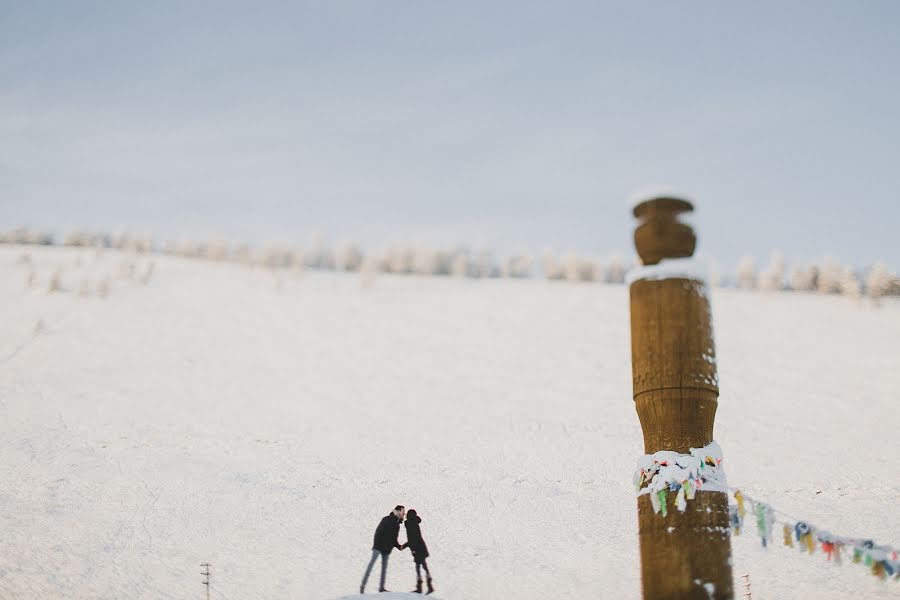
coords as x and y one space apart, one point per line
684 554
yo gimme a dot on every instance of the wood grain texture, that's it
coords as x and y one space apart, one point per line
684 550
675 388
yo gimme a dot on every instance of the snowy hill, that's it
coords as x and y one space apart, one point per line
200 412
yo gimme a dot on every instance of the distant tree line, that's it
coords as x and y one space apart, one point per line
827 276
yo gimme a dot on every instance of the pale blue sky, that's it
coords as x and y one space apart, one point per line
518 124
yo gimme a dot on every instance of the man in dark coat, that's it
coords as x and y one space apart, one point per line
416 545
385 541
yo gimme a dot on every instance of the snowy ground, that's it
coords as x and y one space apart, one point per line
265 425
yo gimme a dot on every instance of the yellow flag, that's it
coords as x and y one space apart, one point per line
788 538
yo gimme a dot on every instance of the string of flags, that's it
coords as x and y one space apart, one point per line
701 470
883 560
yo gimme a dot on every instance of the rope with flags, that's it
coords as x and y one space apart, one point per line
882 559
701 470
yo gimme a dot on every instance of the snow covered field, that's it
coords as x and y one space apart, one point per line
264 425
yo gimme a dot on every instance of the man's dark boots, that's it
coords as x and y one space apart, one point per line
418 589
430 587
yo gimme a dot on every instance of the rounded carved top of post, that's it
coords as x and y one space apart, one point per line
660 234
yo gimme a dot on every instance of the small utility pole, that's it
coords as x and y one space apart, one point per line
205 573
684 555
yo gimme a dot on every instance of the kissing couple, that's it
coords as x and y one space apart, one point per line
385 541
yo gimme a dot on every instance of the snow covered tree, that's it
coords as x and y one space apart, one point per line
878 281
216 250
424 260
746 273
850 284
550 265
615 272
460 265
772 278
804 279
517 266
348 256
571 267
76 237
830 275
243 254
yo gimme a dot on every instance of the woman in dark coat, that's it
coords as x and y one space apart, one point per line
418 548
